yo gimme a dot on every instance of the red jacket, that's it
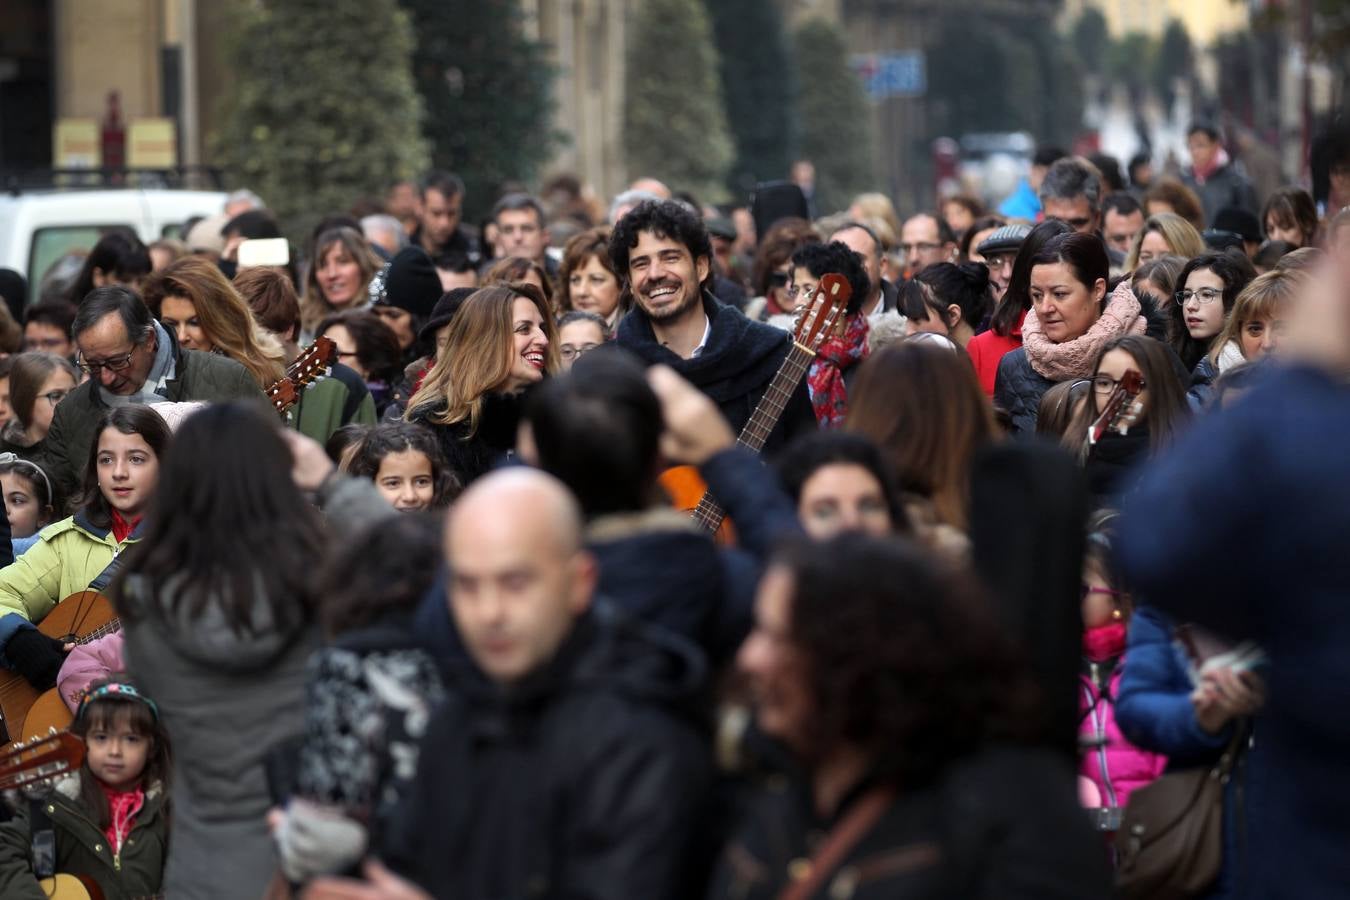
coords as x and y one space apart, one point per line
987 348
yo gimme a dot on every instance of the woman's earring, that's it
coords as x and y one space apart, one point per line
1115 614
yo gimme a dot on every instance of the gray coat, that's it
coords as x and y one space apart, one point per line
226 701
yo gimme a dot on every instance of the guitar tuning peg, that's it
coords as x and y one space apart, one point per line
51 729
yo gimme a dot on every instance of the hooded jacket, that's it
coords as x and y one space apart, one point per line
82 848
739 360
226 699
583 780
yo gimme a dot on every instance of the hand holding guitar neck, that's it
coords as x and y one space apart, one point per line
695 429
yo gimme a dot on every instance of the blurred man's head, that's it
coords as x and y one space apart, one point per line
1202 140
1072 193
520 227
442 204
1122 220
864 242
926 239
520 577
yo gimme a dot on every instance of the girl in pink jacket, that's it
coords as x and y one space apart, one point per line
1111 767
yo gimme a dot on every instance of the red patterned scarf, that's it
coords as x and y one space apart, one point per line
825 380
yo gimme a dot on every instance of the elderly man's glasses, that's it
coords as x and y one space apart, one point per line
115 364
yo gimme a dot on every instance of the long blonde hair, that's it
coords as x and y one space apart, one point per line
1181 237
1263 298
223 314
479 353
314 305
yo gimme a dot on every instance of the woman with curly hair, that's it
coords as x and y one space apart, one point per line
889 683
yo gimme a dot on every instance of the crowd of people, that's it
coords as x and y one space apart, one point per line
663 550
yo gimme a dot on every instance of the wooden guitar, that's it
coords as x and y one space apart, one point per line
314 363
815 322
78 619
1117 409
62 886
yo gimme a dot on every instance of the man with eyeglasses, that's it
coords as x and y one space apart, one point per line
130 358
925 239
1000 251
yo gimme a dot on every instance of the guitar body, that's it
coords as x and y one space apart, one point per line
47 714
685 488
73 618
71 887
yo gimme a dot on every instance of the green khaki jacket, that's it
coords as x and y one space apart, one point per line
82 848
68 555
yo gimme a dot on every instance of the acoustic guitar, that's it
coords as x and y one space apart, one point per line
78 619
315 363
815 322
41 760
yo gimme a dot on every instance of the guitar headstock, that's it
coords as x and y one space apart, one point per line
817 319
314 363
1118 407
40 759
311 365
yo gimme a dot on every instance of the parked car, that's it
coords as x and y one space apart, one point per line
39 227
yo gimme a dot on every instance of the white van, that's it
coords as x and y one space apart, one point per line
39 227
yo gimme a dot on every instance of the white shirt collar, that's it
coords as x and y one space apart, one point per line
703 342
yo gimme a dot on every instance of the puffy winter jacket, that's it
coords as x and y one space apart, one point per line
1114 765
82 847
1018 389
67 557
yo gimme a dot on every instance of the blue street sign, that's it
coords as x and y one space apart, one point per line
899 73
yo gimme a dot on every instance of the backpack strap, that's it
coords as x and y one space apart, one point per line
852 828
42 838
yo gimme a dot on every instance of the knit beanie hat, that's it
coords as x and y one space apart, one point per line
411 283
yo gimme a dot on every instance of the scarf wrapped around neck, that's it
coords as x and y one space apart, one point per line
825 379
1073 359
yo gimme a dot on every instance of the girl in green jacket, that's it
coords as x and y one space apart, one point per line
74 553
109 819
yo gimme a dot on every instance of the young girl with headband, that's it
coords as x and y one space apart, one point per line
106 821
30 503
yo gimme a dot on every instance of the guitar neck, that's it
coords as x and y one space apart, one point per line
709 513
102 631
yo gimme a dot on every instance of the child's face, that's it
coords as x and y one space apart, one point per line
21 506
406 481
116 754
1099 606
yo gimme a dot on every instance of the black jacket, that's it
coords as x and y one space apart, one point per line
473 455
1018 389
663 569
734 369
583 781
1001 824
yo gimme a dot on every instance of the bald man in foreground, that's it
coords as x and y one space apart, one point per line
561 767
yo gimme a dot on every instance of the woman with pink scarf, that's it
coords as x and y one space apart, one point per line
1070 319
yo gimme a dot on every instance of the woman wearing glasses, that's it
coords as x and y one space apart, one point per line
1160 411
1207 289
37 383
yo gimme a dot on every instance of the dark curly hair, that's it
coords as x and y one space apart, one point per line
902 658
376 346
387 568
396 437
835 257
807 455
663 218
